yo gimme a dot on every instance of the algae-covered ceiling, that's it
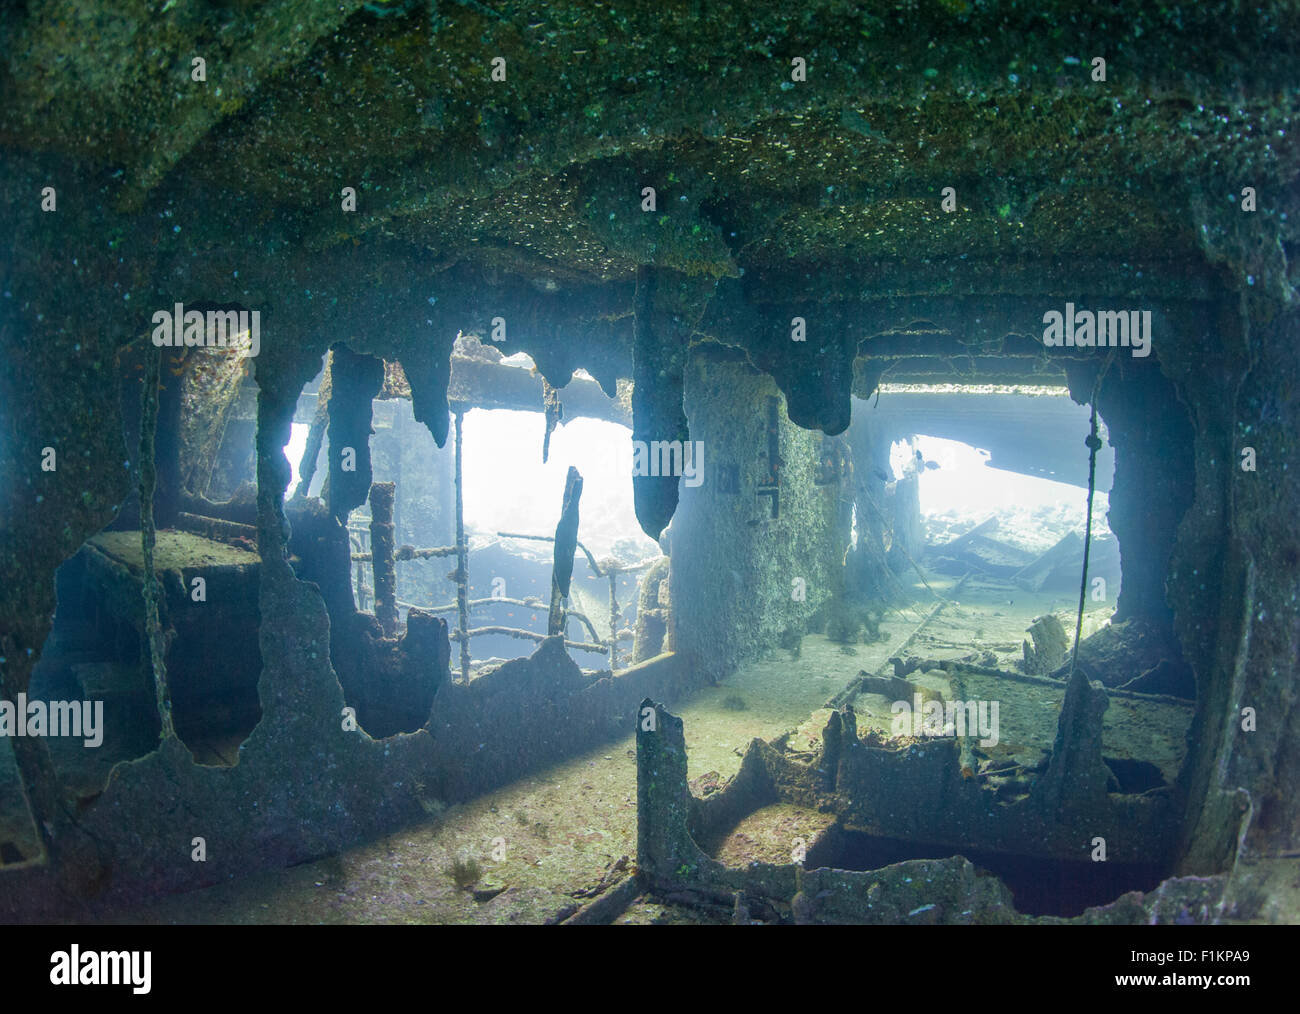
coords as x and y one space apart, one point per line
805 147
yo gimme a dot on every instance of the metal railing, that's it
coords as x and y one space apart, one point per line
382 559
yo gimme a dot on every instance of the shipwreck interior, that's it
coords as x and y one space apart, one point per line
754 558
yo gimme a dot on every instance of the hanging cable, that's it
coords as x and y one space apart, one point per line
1093 443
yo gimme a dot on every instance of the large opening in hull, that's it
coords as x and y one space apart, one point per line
1012 540
1011 519
488 482
979 496
92 688
939 558
512 501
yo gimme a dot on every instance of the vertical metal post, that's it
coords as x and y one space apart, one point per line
613 616
382 495
462 555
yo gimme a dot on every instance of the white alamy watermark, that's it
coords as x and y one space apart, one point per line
178 327
75 967
947 718
672 458
75 719
1128 329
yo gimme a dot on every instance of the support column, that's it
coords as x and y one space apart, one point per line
382 495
